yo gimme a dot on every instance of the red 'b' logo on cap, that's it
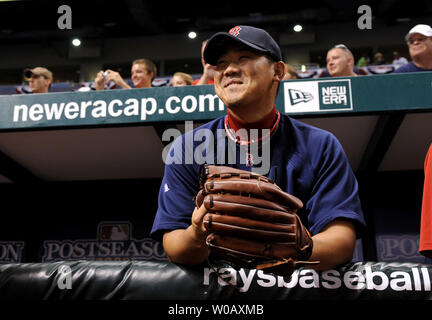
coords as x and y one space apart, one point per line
235 31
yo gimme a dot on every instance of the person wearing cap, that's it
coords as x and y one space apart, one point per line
340 61
39 78
419 41
304 161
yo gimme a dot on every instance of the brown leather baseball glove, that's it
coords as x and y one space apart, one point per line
251 222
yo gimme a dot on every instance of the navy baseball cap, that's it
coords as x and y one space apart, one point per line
256 39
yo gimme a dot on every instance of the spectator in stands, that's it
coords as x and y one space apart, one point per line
180 79
398 60
39 78
379 59
143 72
419 40
363 61
291 73
340 61
207 75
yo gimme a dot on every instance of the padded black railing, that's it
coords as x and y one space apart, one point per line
155 280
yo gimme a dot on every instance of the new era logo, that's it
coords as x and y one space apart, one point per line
335 95
316 96
297 96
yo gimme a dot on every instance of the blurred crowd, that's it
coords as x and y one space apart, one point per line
340 62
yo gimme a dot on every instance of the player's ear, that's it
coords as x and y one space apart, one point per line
279 70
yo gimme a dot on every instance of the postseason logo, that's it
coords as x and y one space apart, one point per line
114 243
317 96
399 248
11 251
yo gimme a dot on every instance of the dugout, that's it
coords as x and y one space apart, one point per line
80 171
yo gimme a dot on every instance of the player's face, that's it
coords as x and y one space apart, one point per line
140 76
337 62
419 45
243 78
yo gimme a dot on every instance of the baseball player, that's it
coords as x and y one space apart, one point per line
310 163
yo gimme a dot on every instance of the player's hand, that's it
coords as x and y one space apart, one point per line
199 230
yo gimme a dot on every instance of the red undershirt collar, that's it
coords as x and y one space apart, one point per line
232 125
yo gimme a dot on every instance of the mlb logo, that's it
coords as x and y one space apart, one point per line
114 231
